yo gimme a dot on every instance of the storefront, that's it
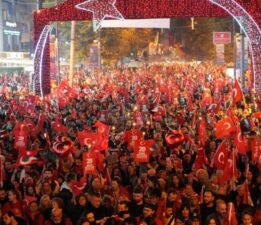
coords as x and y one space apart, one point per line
16 60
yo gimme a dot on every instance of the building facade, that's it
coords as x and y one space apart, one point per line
16 43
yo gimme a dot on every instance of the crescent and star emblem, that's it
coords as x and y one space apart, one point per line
221 158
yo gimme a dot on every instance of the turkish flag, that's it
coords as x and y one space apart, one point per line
27 157
20 136
159 110
103 136
230 113
64 87
240 142
256 149
31 127
190 104
63 102
224 127
40 123
230 170
89 163
174 138
200 160
132 136
17 127
221 155
213 108
58 127
257 115
237 93
88 138
103 129
202 132
64 147
142 150
231 218
27 105
78 186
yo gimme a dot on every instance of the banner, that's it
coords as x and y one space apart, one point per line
142 151
137 23
89 163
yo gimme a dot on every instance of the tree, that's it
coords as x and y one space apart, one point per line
118 43
198 43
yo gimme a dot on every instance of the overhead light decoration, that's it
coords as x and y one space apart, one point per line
38 60
101 9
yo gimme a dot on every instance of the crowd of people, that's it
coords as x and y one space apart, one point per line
164 145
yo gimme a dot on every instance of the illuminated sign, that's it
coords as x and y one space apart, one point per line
10 24
12 32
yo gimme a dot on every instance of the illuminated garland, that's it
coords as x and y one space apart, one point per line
136 9
38 60
101 9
